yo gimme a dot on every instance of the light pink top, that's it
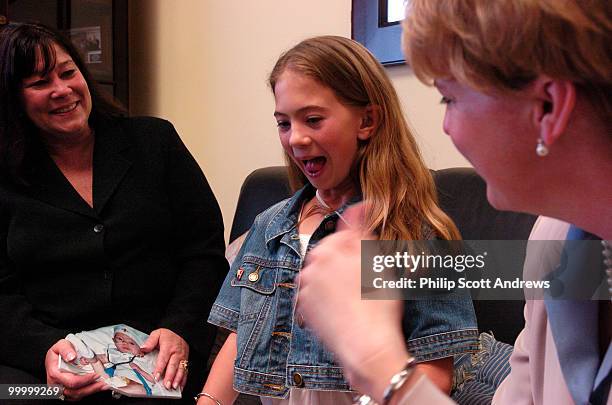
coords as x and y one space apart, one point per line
536 376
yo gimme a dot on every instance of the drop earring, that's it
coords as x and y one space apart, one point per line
541 148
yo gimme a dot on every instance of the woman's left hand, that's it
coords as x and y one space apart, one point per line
172 351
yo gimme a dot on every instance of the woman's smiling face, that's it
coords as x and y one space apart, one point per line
498 135
58 103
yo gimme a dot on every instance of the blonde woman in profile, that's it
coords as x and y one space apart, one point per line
344 135
527 88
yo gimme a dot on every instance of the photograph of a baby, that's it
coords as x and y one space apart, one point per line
113 352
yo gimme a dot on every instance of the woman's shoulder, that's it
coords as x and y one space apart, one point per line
145 132
146 125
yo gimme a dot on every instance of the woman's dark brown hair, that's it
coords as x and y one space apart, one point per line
21 46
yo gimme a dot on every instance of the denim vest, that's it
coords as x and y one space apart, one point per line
258 298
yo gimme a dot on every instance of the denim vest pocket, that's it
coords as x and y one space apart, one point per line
256 277
257 285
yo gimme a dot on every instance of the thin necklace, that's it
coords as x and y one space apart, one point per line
323 203
327 207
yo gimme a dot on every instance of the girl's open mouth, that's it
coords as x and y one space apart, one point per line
314 166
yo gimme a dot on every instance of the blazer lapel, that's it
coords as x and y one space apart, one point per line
111 163
48 184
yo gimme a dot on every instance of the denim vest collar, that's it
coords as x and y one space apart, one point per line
285 219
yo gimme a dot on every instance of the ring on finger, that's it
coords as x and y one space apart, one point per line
184 364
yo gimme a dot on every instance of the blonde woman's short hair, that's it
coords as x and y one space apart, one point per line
505 44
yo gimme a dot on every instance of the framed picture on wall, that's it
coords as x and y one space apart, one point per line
89 43
376 25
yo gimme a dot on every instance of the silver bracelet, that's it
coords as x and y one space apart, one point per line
395 384
364 400
398 380
207 395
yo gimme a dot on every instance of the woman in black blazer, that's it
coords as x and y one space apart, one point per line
103 220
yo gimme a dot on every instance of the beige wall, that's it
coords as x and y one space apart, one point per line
202 64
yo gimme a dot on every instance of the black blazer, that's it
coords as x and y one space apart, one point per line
148 254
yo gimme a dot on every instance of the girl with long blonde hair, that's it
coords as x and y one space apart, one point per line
346 140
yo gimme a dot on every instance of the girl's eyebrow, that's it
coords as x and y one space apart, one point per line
301 110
